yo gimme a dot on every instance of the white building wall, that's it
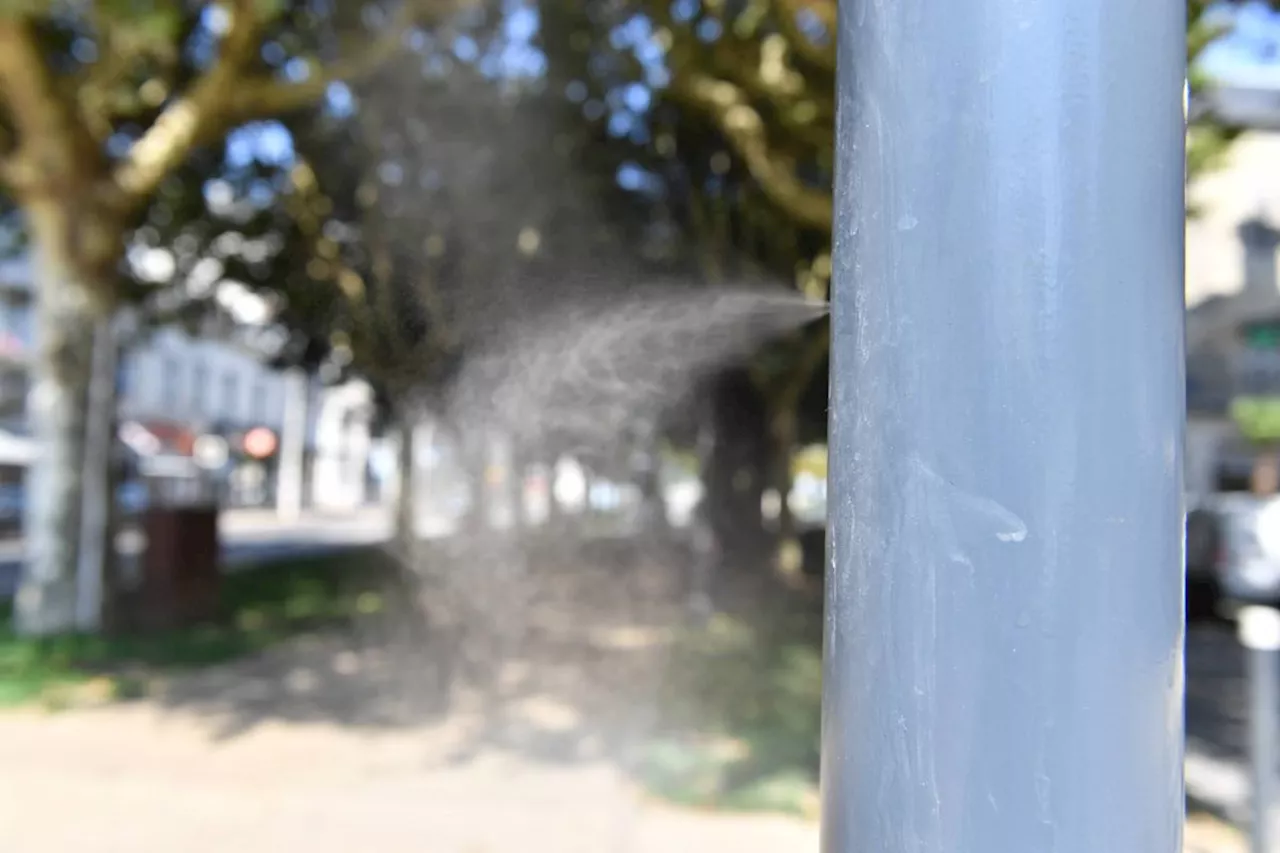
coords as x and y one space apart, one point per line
174 377
1247 185
342 446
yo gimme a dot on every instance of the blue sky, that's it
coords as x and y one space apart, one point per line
1250 54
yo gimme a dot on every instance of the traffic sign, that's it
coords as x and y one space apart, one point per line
260 442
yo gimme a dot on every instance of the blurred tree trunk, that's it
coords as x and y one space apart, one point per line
784 401
783 431
79 204
646 473
69 305
736 466
554 521
114 594
96 532
703 540
518 474
653 506
406 517
472 453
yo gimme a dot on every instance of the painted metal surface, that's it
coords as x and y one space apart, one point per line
1005 593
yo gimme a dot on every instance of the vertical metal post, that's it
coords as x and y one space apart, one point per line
293 446
1005 595
1259 632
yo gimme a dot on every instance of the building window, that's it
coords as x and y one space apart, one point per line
1257 371
199 391
17 334
170 383
259 402
230 397
124 369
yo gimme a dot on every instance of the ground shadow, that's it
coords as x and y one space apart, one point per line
607 666
579 679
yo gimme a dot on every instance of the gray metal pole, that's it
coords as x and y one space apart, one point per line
1259 632
1005 595
293 446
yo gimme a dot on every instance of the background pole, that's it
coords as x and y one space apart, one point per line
293 446
1258 627
1005 594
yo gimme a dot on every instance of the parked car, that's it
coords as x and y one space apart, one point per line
1203 557
12 506
1233 550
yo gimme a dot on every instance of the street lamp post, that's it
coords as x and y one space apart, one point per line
293 446
1005 596
1258 628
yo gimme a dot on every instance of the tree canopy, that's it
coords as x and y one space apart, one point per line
386 173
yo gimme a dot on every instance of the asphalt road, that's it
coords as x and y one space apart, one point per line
1217 767
1217 761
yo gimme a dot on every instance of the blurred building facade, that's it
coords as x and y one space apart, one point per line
205 409
182 388
1231 285
195 411
16 338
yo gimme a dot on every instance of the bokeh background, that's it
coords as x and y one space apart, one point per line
413 414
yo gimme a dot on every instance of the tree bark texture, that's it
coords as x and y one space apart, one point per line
735 465
646 472
406 493
96 542
68 306
783 432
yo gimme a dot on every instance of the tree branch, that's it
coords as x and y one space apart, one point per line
11 175
769 79
740 122
226 96
47 130
788 11
138 64
266 97
729 105
192 119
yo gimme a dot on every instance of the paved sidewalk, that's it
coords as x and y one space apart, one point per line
342 743
158 786
250 536
146 780
334 744
374 520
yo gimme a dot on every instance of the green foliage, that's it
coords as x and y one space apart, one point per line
262 605
1207 141
1257 418
153 24
1207 147
744 129
743 706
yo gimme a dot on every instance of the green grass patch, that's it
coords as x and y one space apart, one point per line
742 707
261 605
